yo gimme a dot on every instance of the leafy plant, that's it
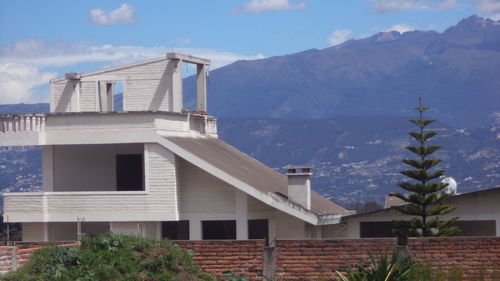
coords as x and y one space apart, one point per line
381 269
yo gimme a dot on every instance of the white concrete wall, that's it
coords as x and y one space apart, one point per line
87 167
92 124
161 182
288 227
61 95
202 193
145 86
334 231
88 96
482 206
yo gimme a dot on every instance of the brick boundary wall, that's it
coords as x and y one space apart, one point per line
7 262
13 257
315 259
473 255
216 256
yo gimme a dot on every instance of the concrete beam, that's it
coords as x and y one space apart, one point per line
187 58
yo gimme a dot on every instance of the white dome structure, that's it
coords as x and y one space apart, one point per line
451 188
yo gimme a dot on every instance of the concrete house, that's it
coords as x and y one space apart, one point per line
152 169
478 215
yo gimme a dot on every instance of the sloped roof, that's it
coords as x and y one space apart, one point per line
398 202
248 170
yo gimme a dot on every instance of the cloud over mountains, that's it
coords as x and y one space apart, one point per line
30 63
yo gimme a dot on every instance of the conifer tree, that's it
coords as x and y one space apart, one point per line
425 199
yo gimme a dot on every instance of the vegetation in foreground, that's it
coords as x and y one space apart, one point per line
112 258
402 268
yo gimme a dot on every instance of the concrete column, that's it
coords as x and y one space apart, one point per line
272 229
174 69
195 229
48 167
201 87
45 232
241 215
498 227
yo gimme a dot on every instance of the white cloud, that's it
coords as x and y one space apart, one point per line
339 36
384 6
491 8
258 6
17 81
124 14
401 28
23 64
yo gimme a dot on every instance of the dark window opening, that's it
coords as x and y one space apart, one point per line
476 228
379 229
175 230
376 229
129 172
223 230
258 229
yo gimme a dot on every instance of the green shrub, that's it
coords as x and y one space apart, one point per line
381 269
111 257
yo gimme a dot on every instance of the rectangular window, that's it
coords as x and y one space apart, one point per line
376 229
476 228
175 230
223 230
258 229
129 172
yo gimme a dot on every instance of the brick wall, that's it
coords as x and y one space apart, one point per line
312 259
474 256
6 261
241 257
12 257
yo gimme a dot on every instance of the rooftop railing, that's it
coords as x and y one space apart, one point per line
11 123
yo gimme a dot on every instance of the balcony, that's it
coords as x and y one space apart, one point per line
89 206
100 127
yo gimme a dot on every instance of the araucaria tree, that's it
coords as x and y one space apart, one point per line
425 200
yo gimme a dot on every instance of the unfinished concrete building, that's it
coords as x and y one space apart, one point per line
151 168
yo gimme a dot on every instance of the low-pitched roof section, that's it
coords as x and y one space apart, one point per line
246 169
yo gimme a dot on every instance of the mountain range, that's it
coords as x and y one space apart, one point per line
344 110
456 72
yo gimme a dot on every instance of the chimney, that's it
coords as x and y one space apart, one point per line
299 184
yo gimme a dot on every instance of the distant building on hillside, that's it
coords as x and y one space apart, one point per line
152 169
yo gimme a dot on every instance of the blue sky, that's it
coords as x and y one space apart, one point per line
40 40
